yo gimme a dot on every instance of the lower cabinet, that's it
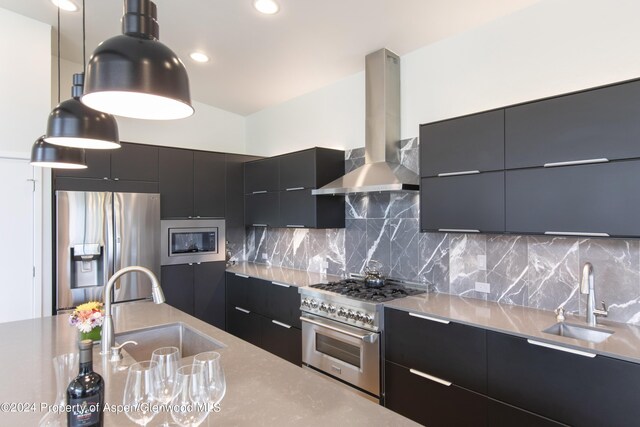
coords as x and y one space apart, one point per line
196 289
266 314
503 415
431 403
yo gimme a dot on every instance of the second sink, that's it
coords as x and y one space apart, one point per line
579 332
188 340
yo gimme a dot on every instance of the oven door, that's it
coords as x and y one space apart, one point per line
342 351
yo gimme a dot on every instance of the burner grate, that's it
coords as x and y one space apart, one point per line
356 289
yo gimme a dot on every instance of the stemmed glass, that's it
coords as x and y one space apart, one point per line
141 392
190 406
66 369
168 360
213 375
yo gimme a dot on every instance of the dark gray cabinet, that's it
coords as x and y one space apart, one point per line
291 203
197 289
234 190
130 168
599 198
266 314
503 415
470 143
567 387
192 183
463 203
600 123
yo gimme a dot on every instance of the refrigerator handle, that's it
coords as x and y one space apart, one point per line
117 238
108 238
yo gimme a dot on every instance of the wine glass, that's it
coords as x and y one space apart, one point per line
66 369
141 391
213 375
190 406
168 359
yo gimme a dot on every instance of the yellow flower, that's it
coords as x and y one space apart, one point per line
89 306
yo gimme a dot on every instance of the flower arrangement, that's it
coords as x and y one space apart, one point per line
87 316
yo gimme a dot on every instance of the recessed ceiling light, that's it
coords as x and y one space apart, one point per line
199 57
67 5
268 7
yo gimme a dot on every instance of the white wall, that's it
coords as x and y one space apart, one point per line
210 128
553 47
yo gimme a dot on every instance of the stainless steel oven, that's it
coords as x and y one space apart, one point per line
192 241
346 352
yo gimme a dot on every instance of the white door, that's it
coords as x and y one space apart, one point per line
19 298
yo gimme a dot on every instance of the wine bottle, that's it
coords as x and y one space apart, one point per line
85 394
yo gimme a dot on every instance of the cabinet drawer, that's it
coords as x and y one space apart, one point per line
262 209
600 123
601 198
282 340
246 292
430 403
283 304
471 143
502 415
261 175
469 202
244 324
453 352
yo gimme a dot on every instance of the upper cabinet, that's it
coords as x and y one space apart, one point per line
469 144
192 184
278 190
586 126
130 168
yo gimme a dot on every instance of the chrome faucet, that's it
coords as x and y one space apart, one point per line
107 325
587 287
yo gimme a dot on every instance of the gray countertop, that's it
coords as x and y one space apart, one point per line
287 276
521 321
262 389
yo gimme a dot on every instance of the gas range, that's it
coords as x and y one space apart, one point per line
349 301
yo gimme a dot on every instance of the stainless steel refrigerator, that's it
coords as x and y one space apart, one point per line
98 233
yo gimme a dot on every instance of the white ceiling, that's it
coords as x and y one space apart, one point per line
259 60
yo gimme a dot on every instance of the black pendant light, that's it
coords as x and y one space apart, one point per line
47 155
73 124
134 74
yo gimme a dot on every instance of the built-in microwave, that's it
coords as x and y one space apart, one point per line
192 241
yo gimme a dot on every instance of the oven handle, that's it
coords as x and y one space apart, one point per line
368 338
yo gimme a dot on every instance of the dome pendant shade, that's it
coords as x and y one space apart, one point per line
135 75
47 155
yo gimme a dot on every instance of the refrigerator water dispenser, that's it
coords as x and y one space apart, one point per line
87 265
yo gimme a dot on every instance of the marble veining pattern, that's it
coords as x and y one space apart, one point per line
532 271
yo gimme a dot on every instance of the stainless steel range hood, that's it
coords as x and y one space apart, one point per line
382 170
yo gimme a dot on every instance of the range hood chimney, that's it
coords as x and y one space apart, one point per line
382 170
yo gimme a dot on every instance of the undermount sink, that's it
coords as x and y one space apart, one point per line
579 332
188 340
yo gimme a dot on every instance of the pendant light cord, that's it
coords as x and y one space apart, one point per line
84 41
58 55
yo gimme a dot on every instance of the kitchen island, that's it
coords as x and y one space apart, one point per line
262 389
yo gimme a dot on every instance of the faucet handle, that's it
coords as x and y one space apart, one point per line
604 312
116 351
560 313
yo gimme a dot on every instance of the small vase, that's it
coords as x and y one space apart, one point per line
95 334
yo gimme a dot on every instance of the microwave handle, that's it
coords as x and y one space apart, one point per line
369 338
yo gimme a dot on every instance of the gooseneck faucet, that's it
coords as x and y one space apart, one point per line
107 324
587 287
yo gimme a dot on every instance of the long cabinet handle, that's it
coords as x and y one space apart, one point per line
370 338
243 310
576 162
259 225
259 192
433 319
241 275
295 226
281 284
457 230
430 377
575 233
284 325
295 189
459 173
560 348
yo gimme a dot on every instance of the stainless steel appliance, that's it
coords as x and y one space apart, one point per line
341 328
192 241
98 233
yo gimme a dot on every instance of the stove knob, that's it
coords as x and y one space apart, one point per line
351 314
368 319
360 316
305 302
332 309
314 304
342 312
324 307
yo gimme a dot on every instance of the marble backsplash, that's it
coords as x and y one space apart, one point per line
535 271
